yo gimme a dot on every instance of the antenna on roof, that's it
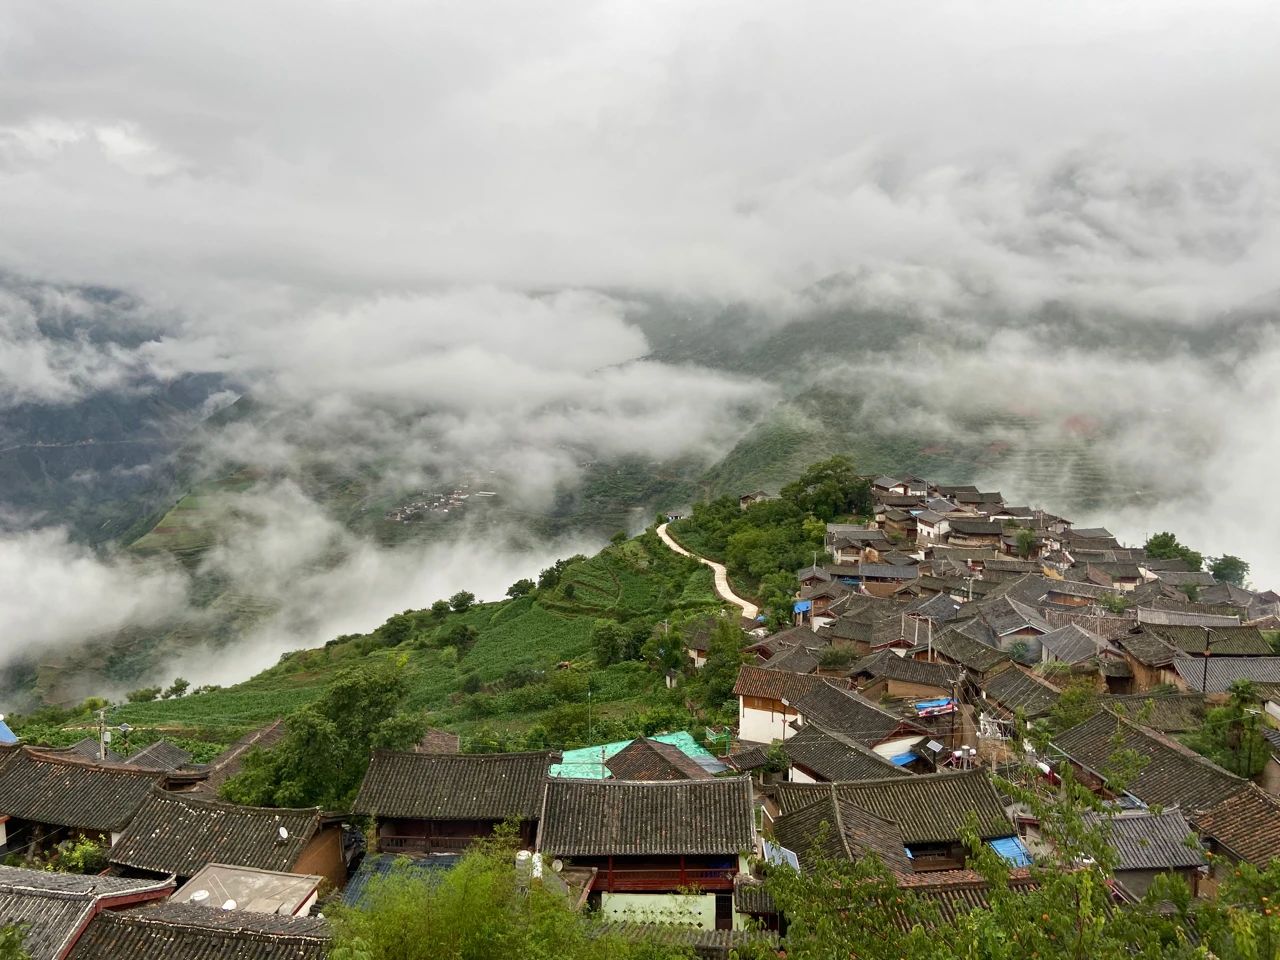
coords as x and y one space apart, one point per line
284 834
230 905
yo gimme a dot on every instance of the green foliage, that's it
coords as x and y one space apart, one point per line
1114 602
1229 569
1079 702
323 756
610 642
1026 541
1231 735
11 947
440 609
398 628
715 681
80 855
461 601
521 588
177 688
143 695
1165 546
484 907
830 489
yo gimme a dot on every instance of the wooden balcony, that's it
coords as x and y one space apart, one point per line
656 880
413 845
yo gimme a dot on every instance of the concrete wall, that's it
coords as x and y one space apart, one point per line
323 856
763 721
684 909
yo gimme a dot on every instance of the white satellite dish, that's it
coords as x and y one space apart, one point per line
229 905
284 834
200 896
557 865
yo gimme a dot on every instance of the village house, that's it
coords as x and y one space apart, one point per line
847 832
751 499
849 543
884 579
931 812
841 710
767 701
886 674
645 759
1149 845
1243 828
160 755
439 803
230 762
54 909
180 931
652 843
179 834
226 887
47 798
931 526
1013 693
959 650
816 755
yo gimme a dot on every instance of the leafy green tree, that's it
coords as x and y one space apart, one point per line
177 688
609 642
830 489
11 946
1231 735
143 695
1026 541
664 650
485 906
326 749
461 601
440 609
397 629
1165 546
521 588
1079 702
461 636
1113 602
1229 569
717 677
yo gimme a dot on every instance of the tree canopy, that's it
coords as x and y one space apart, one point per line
1165 546
1229 569
325 752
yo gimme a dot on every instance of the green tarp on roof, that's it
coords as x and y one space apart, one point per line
588 763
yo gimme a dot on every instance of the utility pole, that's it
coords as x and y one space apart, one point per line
102 733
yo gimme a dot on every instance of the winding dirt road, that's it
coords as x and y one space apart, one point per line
749 609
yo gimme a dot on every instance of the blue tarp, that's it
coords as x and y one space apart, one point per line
803 606
1011 851
7 735
902 759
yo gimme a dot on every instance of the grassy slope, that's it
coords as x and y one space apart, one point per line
532 635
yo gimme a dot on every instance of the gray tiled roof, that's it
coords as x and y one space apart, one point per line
890 666
645 759
1151 841
779 684
53 907
1171 774
590 818
176 931
933 808
847 832
835 757
1147 648
1247 825
160 755
1017 692
844 711
1221 641
173 833
485 786
972 654
1219 673
53 789
1071 643
231 761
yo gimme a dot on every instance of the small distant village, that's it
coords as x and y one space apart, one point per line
928 650
426 504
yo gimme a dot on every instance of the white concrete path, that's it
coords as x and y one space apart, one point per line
749 609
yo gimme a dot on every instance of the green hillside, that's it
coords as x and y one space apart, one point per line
497 671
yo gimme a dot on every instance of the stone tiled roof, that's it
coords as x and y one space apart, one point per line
646 759
160 755
1146 648
705 944
1014 691
779 684
179 834
484 786
591 818
231 761
890 666
1072 643
1222 641
973 655
176 931
54 789
1172 774
1247 825
843 711
793 660
1220 673
833 756
54 907
1150 841
954 893
933 808
1166 712
845 832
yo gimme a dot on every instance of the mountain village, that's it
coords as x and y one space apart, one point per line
927 650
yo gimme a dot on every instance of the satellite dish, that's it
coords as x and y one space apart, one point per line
229 905
557 865
200 896
284 834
